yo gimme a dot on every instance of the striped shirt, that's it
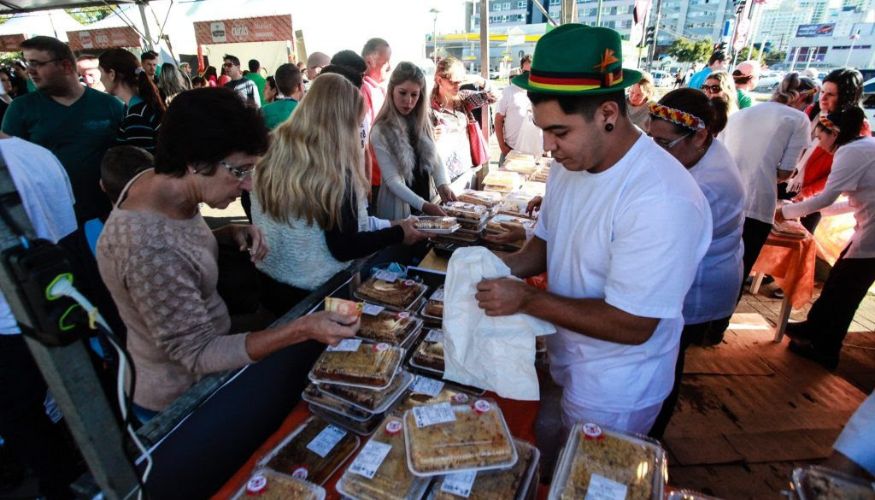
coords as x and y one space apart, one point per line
140 126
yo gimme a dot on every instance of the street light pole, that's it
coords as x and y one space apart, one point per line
434 51
854 38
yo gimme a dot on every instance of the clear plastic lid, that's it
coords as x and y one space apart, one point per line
434 306
466 210
608 462
395 327
313 451
400 294
429 354
514 483
437 224
815 482
271 485
380 470
502 181
486 198
362 428
358 363
688 495
367 400
444 438
495 223
315 396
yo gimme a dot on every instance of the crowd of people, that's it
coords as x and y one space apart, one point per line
654 213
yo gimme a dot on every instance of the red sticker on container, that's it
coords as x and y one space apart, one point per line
256 485
482 406
592 431
409 282
403 315
300 473
382 346
394 427
460 398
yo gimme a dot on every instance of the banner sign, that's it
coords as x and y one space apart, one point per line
105 38
11 43
815 30
247 29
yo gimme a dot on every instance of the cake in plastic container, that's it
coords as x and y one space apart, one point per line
434 306
271 485
400 294
429 354
360 427
370 364
313 451
815 482
380 470
468 211
605 459
393 327
369 400
515 483
315 396
436 223
477 438
488 199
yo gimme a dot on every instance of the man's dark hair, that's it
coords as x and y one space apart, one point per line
716 56
584 105
58 49
86 57
148 56
351 60
288 78
254 65
527 58
373 45
233 59
345 71
120 164
203 126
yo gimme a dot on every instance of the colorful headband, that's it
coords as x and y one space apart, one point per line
677 117
806 93
828 124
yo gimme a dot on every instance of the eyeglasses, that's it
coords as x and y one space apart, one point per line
227 65
714 89
239 171
454 83
666 144
38 64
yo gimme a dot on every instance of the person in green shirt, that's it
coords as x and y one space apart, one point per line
255 75
746 77
290 84
76 123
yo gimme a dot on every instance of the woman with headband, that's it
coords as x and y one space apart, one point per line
820 336
684 123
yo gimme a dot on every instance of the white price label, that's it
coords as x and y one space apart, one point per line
459 484
370 458
602 488
372 309
433 414
427 386
438 295
346 345
434 336
326 440
386 276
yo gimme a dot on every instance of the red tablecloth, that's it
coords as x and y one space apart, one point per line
520 417
791 262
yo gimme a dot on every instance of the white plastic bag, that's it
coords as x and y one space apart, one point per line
492 353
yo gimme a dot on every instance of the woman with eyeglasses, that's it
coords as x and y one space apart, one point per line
159 259
450 114
720 85
310 196
820 336
123 77
684 123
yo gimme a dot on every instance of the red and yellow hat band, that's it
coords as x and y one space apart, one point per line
574 81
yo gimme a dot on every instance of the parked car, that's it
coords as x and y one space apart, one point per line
768 82
662 78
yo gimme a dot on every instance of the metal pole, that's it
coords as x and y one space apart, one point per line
146 32
851 49
598 15
652 50
484 72
434 56
795 59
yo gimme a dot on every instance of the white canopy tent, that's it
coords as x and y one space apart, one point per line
54 23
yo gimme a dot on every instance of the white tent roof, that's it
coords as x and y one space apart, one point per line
47 23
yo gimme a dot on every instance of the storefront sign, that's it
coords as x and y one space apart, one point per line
105 38
815 30
11 43
249 29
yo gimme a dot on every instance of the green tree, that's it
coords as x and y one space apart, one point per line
686 50
88 15
775 57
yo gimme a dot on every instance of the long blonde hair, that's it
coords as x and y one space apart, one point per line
727 85
315 158
444 68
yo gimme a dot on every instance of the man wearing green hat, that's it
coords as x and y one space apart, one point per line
621 232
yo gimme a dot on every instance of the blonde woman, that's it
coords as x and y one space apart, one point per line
450 113
720 84
638 101
404 145
310 193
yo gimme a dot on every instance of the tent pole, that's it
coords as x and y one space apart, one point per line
147 35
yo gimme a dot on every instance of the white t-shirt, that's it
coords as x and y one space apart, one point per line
46 195
632 235
853 173
763 139
715 290
520 132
